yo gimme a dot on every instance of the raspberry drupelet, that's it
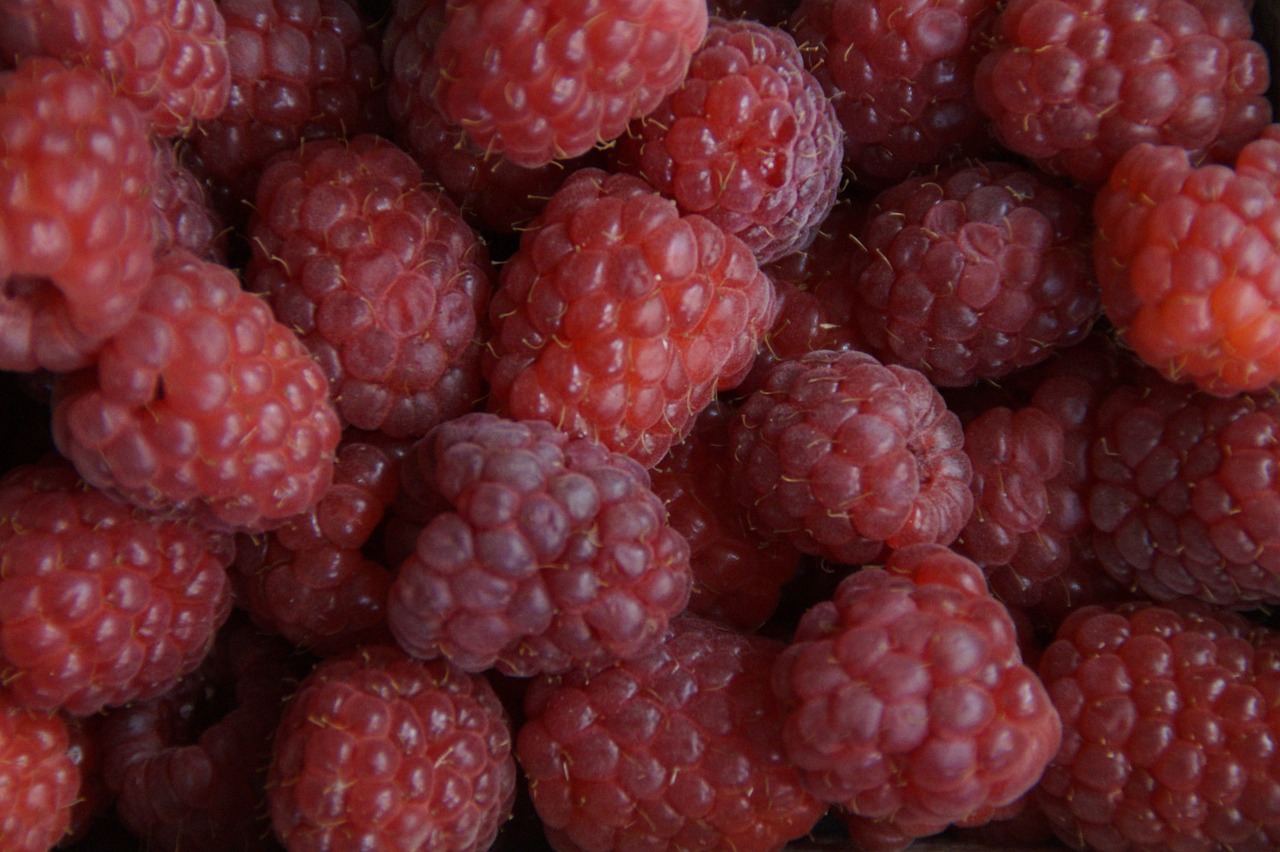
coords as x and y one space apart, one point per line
554 553
181 214
619 319
39 779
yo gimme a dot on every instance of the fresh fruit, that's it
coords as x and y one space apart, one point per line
38 777
182 216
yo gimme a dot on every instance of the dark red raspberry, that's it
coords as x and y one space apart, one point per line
379 276
975 272
1188 259
618 318
1168 730
1074 84
737 572
75 220
680 748
748 140
556 553
39 778
203 405
169 57
552 78
189 767
906 699
900 76
843 455
181 215
99 605
771 13
381 751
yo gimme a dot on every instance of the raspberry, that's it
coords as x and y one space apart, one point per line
181 215
38 778
843 455
677 749
975 272
1074 84
99 606
75 222
906 699
203 405
900 76
555 77
555 553
748 140
168 57
380 751
618 318
379 276
1168 730
1187 260
773 13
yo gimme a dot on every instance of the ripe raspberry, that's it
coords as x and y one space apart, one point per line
618 318
556 553
168 57
203 405
737 572
677 749
380 751
1188 260
748 140
98 605
1168 730
75 222
181 215
843 455
379 276
906 699
1074 84
900 76
555 77
772 13
38 778
975 272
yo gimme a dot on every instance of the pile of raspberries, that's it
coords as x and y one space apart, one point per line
612 425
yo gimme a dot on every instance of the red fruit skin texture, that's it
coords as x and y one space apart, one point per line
1188 259
975 272
1168 729
203 406
900 77
75 221
181 214
39 778
555 77
1074 84
168 57
619 319
379 276
555 553
100 606
843 455
677 749
380 751
749 140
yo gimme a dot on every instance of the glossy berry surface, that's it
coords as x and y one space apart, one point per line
38 777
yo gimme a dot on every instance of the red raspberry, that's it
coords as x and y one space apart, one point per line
906 699
1188 259
772 13
204 404
975 272
748 140
379 276
38 778
1074 84
75 221
181 215
618 318
737 573
98 605
553 78
556 553
900 76
1168 730
380 751
677 749
843 455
